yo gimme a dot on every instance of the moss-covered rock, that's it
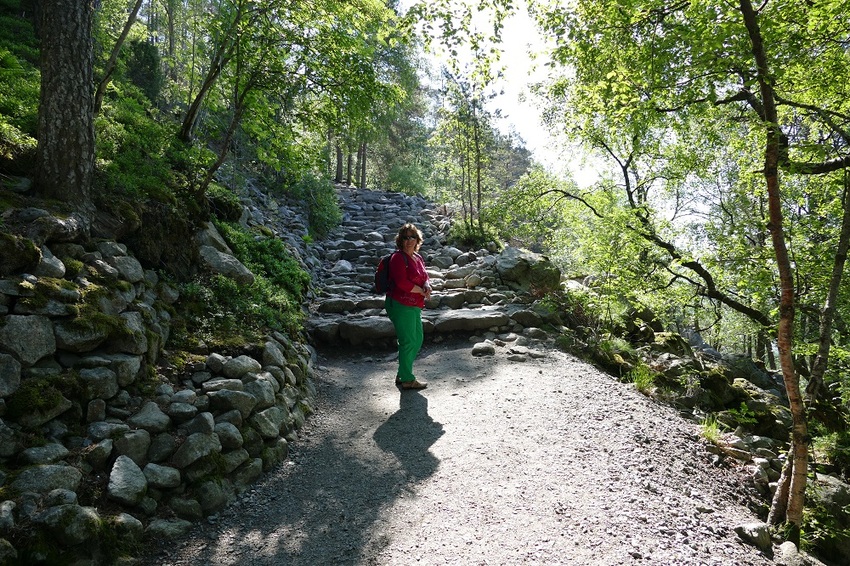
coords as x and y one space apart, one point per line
672 343
17 254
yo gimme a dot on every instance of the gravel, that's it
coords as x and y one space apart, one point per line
546 461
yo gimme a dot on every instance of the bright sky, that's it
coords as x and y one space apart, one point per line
519 109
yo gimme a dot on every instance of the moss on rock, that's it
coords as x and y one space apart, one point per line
17 254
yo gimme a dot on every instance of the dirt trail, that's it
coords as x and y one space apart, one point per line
543 462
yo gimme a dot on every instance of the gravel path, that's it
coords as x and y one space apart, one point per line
543 462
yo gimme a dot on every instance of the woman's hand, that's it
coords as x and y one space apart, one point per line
424 291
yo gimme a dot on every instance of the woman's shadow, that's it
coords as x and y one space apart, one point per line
408 434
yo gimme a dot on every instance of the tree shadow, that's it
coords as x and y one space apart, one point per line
328 505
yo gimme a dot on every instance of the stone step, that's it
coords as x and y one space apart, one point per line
469 294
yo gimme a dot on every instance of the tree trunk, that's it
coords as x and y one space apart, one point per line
828 310
113 57
339 166
348 171
65 114
357 162
170 7
362 182
223 54
479 165
798 454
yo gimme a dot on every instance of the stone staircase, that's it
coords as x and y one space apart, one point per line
482 293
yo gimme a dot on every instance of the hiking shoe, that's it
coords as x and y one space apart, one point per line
415 384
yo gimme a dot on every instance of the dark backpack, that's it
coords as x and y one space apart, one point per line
383 283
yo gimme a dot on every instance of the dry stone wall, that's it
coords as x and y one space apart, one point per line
94 442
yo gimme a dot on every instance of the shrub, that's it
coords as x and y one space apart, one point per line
408 179
472 237
224 203
834 450
144 68
319 198
220 312
824 530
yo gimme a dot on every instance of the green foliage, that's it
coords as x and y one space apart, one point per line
579 308
19 76
711 429
618 356
643 377
19 90
823 529
216 310
135 151
612 345
73 267
32 396
472 236
407 179
834 449
319 198
43 393
224 203
19 95
742 416
144 68
267 257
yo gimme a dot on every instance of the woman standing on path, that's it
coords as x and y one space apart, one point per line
404 303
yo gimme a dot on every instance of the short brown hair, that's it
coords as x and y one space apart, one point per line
406 229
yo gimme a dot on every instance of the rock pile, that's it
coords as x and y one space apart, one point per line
94 443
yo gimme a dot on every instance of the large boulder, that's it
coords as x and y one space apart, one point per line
525 270
46 478
10 375
225 264
70 524
28 338
469 320
833 495
364 330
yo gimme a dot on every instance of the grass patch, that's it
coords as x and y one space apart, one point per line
711 429
643 378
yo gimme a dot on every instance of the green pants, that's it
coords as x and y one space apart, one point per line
408 328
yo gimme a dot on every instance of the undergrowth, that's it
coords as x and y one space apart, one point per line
216 311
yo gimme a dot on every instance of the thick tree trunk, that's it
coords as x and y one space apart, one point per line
798 454
113 57
65 112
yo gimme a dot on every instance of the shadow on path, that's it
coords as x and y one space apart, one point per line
326 505
409 433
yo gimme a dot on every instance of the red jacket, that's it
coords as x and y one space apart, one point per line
405 275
